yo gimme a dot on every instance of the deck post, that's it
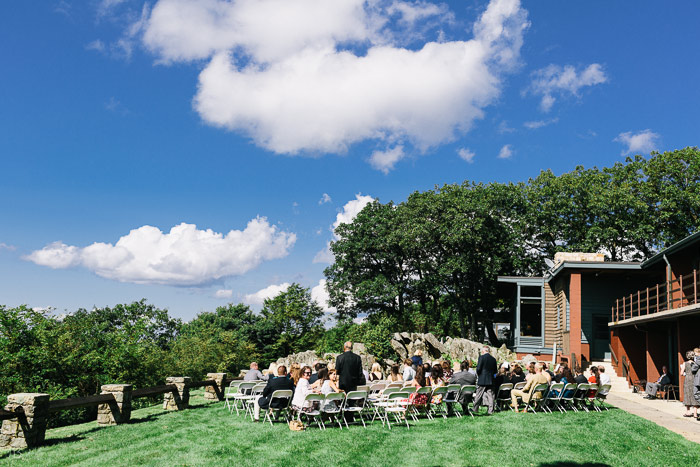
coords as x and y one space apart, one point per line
647 300
639 303
658 298
695 286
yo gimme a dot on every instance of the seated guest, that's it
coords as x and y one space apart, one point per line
280 382
527 392
408 371
325 383
394 375
557 372
426 370
501 377
580 378
463 377
547 373
293 374
376 373
317 367
663 380
530 371
303 388
446 371
419 380
604 378
566 377
254 374
436 379
417 359
517 376
594 378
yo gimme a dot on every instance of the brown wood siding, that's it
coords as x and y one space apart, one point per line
558 299
551 333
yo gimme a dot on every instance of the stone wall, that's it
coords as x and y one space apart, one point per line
29 428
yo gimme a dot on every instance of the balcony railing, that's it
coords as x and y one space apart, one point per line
665 296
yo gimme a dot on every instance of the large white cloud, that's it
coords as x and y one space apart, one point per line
317 76
184 256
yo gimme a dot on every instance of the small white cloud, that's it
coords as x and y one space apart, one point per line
466 155
506 152
325 199
557 80
5 246
223 293
384 161
96 45
324 256
186 256
547 103
503 128
261 295
320 294
641 142
539 123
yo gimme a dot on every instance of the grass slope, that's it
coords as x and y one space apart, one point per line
207 434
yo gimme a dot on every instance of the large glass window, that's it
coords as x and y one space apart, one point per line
531 318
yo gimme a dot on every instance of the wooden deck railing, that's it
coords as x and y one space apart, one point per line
665 296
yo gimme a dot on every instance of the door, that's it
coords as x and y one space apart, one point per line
600 347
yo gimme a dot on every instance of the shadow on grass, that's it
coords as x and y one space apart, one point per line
573 464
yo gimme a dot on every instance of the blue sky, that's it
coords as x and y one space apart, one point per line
229 121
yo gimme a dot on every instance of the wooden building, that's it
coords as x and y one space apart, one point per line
566 311
638 315
658 322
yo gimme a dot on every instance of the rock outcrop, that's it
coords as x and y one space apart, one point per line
405 344
309 357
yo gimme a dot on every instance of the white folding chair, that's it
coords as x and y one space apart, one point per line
396 407
468 389
229 392
438 394
451 399
552 397
536 397
355 404
567 398
239 398
601 396
332 407
281 398
503 396
312 410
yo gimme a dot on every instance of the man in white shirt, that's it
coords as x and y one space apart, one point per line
254 374
604 378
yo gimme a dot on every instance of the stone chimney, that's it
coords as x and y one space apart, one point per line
576 256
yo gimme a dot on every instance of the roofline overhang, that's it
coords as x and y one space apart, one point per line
672 249
614 266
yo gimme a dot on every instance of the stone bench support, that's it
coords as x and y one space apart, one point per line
210 392
119 411
29 428
181 400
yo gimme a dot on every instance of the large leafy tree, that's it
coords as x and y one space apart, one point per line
296 319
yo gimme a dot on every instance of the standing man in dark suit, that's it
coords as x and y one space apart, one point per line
486 368
349 368
281 382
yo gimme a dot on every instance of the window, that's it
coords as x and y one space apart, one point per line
530 291
530 318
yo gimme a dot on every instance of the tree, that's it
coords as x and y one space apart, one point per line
296 319
673 194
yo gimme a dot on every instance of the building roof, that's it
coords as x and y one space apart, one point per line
687 241
594 265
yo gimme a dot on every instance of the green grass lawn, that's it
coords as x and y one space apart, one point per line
208 434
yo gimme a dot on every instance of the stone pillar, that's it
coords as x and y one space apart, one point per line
178 401
29 428
119 411
211 393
